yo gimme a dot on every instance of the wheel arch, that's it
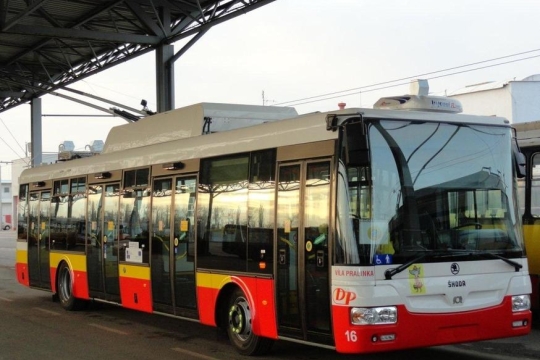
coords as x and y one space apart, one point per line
55 274
76 264
225 293
222 300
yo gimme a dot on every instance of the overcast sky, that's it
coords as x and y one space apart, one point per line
298 49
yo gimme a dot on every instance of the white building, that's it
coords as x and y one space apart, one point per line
6 204
516 100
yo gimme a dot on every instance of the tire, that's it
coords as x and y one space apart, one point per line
64 289
239 327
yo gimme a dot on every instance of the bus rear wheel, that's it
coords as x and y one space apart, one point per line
65 289
239 327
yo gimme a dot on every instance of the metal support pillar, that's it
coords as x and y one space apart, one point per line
35 129
165 78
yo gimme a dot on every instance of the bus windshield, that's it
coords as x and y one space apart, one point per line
429 191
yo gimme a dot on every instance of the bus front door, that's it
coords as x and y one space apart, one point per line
38 240
302 218
104 235
173 241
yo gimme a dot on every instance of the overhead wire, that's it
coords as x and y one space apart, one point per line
358 90
13 137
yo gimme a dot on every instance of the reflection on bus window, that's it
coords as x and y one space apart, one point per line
133 231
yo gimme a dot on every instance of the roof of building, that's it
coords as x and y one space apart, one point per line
491 85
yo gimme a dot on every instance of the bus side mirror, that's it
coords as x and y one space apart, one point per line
519 158
356 144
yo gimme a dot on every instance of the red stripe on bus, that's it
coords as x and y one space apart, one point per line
206 302
22 274
136 294
52 271
80 285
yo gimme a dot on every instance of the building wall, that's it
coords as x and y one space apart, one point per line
518 101
525 101
6 202
494 102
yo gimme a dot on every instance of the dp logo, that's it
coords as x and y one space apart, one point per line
343 297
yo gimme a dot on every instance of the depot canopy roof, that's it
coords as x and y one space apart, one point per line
48 44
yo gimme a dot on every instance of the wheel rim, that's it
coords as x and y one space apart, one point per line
64 284
240 319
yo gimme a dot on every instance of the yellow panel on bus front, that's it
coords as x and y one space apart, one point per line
77 265
135 289
21 263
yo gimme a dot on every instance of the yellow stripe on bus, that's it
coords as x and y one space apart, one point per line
21 257
21 254
77 262
532 245
212 281
134 272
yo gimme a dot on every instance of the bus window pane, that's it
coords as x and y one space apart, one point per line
521 195
535 186
134 234
77 223
223 195
22 214
59 222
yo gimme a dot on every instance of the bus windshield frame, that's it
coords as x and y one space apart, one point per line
426 191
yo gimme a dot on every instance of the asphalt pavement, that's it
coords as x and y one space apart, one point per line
7 247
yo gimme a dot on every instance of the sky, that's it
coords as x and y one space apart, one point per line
307 53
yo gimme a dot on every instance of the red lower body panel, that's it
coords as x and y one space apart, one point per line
136 294
22 274
421 330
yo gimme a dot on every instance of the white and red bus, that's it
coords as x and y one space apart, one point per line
360 230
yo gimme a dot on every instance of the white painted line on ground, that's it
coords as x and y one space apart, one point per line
106 328
48 311
194 354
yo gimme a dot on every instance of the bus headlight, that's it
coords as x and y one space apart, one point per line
374 316
521 303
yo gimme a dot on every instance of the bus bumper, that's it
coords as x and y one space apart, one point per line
414 330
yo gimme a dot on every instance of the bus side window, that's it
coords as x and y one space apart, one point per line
535 186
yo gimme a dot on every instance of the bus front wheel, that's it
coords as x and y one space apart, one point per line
239 327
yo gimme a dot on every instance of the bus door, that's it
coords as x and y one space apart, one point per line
104 235
302 218
173 241
38 240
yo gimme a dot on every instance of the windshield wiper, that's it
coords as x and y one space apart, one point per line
391 272
435 254
513 263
